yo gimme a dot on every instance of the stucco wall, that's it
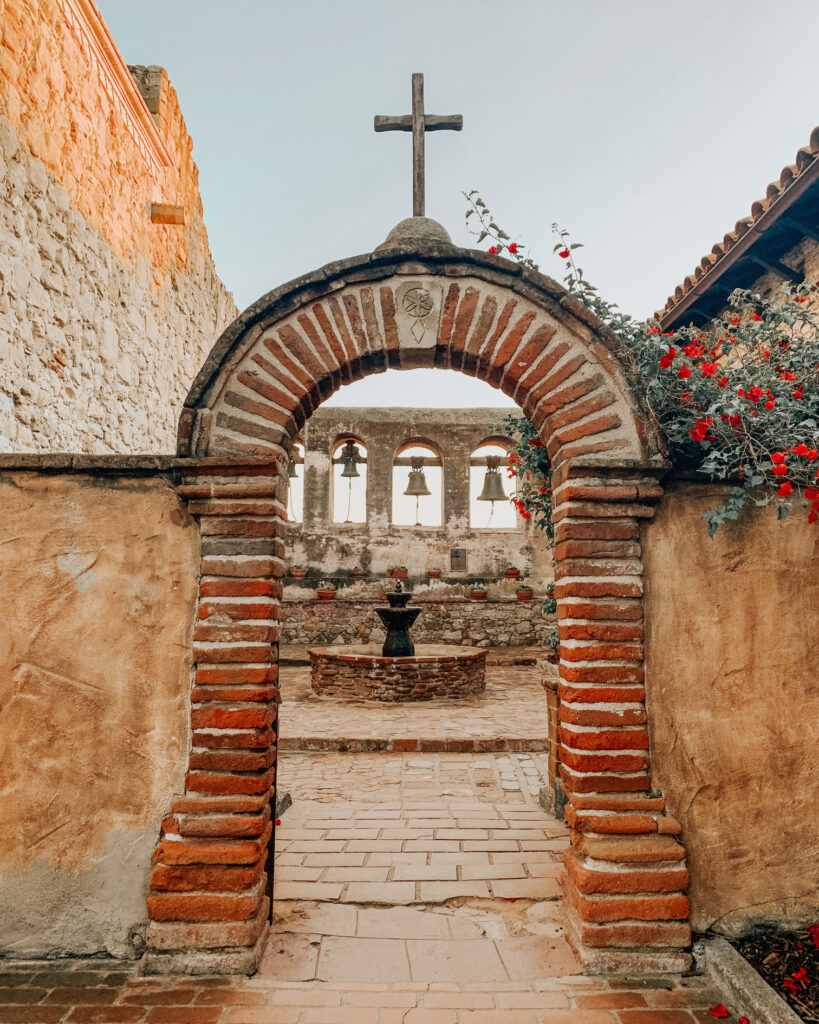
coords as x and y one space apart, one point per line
105 316
99 582
733 704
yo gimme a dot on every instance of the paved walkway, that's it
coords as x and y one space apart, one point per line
509 716
409 890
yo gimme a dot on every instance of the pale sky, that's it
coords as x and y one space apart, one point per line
646 128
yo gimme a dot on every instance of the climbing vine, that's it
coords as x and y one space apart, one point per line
737 401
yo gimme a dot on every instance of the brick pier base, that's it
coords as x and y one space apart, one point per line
625 874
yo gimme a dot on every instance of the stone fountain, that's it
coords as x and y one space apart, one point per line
398 671
397 619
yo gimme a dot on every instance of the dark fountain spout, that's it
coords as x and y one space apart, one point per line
397 619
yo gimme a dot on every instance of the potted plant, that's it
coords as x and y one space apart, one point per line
326 591
298 572
434 574
357 573
478 593
397 572
524 593
512 572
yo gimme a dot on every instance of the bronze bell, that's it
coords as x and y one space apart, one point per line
492 483
349 458
417 483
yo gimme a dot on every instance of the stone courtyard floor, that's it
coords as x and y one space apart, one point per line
413 884
510 715
409 890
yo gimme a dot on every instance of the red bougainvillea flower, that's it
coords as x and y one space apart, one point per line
278 821
770 403
777 458
700 431
801 976
757 316
800 449
791 986
743 1020
812 455
513 248
812 494
785 489
492 248
694 351
734 319
564 254
653 330
723 381
813 931
535 443
683 373
812 517
798 393
780 471
755 393
735 420
719 1011
787 375
709 369
684 397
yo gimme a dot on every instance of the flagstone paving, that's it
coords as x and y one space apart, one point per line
409 890
510 715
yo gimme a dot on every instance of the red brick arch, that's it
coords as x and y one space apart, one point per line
625 876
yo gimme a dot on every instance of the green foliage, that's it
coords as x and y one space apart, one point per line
737 401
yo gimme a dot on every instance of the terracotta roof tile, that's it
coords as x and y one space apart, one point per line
790 174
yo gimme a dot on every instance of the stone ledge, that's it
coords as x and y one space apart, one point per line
743 988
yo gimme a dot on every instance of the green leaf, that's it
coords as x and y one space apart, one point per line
783 511
481 236
576 245
469 214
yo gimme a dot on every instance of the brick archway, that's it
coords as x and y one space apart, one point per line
625 876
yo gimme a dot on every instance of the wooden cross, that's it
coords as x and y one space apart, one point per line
418 123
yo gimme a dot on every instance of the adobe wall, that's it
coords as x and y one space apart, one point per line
105 316
733 704
100 580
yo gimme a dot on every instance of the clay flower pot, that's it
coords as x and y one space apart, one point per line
358 574
434 574
524 595
399 572
326 595
298 573
478 594
512 573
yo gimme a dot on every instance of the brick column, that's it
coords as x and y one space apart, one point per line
209 902
625 876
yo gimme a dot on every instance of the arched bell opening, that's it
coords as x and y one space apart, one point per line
418 485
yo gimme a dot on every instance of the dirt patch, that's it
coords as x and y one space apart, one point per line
789 963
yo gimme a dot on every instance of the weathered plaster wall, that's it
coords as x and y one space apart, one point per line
733 704
320 543
99 582
105 316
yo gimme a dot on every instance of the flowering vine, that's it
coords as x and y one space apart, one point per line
738 400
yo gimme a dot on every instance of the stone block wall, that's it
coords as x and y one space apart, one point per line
502 622
105 315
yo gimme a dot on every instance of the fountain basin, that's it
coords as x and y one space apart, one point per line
362 672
